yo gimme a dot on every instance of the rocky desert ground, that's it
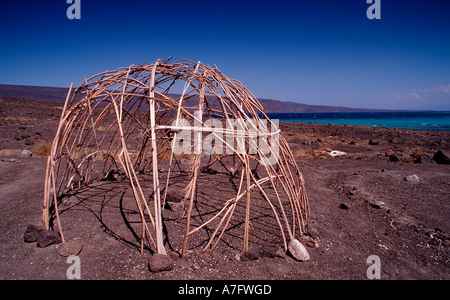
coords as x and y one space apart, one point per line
372 191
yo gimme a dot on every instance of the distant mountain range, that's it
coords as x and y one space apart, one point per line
56 94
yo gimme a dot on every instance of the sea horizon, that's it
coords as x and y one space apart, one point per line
417 120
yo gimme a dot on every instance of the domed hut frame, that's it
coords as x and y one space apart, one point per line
128 119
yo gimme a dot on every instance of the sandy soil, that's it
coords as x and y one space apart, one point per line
361 205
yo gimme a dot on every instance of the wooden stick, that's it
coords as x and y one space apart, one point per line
156 191
247 209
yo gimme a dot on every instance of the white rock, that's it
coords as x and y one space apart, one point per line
26 153
413 178
336 153
298 251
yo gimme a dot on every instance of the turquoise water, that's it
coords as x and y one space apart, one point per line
425 120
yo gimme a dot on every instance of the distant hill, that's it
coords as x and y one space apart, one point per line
44 93
277 106
56 94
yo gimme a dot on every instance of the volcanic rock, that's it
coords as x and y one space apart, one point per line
31 233
48 237
400 157
441 157
251 254
160 262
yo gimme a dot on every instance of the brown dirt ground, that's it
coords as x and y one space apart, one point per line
410 232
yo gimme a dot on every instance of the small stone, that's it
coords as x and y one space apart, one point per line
173 197
413 178
374 142
251 254
377 204
335 153
72 247
174 202
160 262
298 251
400 157
31 233
47 237
279 252
237 256
394 158
308 241
209 171
352 191
26 152
66 201
111 176
344 206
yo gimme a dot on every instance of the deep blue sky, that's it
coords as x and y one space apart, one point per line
315 52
